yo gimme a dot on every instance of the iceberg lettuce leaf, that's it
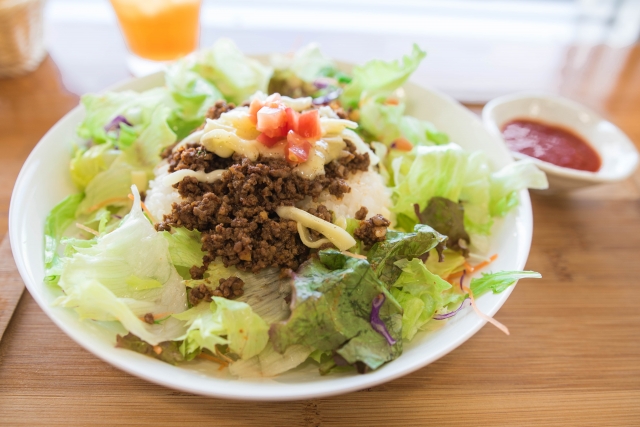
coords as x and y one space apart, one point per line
223 322
379 78
185 247
87 163
416 283
57 222
101 109
234 74
506 183
133 249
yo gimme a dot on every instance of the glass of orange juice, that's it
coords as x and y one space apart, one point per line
158 31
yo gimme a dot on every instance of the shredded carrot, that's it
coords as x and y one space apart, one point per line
391 101
402 144
468 267
157 349
453 276
107 202
87 229
480 314
212 359
483 264
144 208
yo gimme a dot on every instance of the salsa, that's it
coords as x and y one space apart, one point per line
552 144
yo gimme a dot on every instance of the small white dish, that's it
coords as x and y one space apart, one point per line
618 154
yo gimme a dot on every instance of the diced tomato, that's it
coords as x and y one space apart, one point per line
268 141
280 132
271 119
292 119
309 125
297 149
254 107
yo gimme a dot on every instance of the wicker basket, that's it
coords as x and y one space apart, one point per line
21 38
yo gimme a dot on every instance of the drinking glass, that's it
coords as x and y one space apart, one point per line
158 31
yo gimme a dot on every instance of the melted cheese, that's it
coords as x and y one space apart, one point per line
177 176
335 234
234 132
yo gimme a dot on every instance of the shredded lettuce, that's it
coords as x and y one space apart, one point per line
192 94
110 187
420 293
185 247
117 277
234 74
448 171
379 78
87 163
223 322
270 363
58 220
386 123
100 109
498 282
506 183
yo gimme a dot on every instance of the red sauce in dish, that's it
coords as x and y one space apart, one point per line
552 144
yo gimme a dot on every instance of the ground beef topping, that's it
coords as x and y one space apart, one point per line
236 214
237 218
196 158
372 230
229 288
200 293
362 213
217 109
350 163
148 318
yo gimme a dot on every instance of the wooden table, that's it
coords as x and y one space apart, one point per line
573 357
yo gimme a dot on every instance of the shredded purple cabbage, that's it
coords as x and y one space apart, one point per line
339 360
320 84
376 323
325 99
464 273
454 312
114 125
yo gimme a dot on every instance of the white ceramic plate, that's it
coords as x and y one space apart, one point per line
44 181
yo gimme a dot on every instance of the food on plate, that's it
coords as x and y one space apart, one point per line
261 217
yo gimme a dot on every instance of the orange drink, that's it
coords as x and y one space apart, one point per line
159 30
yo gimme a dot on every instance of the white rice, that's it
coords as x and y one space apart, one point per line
160 197
367 189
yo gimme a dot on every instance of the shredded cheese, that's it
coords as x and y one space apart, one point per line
306 238
335 234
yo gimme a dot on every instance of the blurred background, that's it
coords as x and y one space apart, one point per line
477 49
